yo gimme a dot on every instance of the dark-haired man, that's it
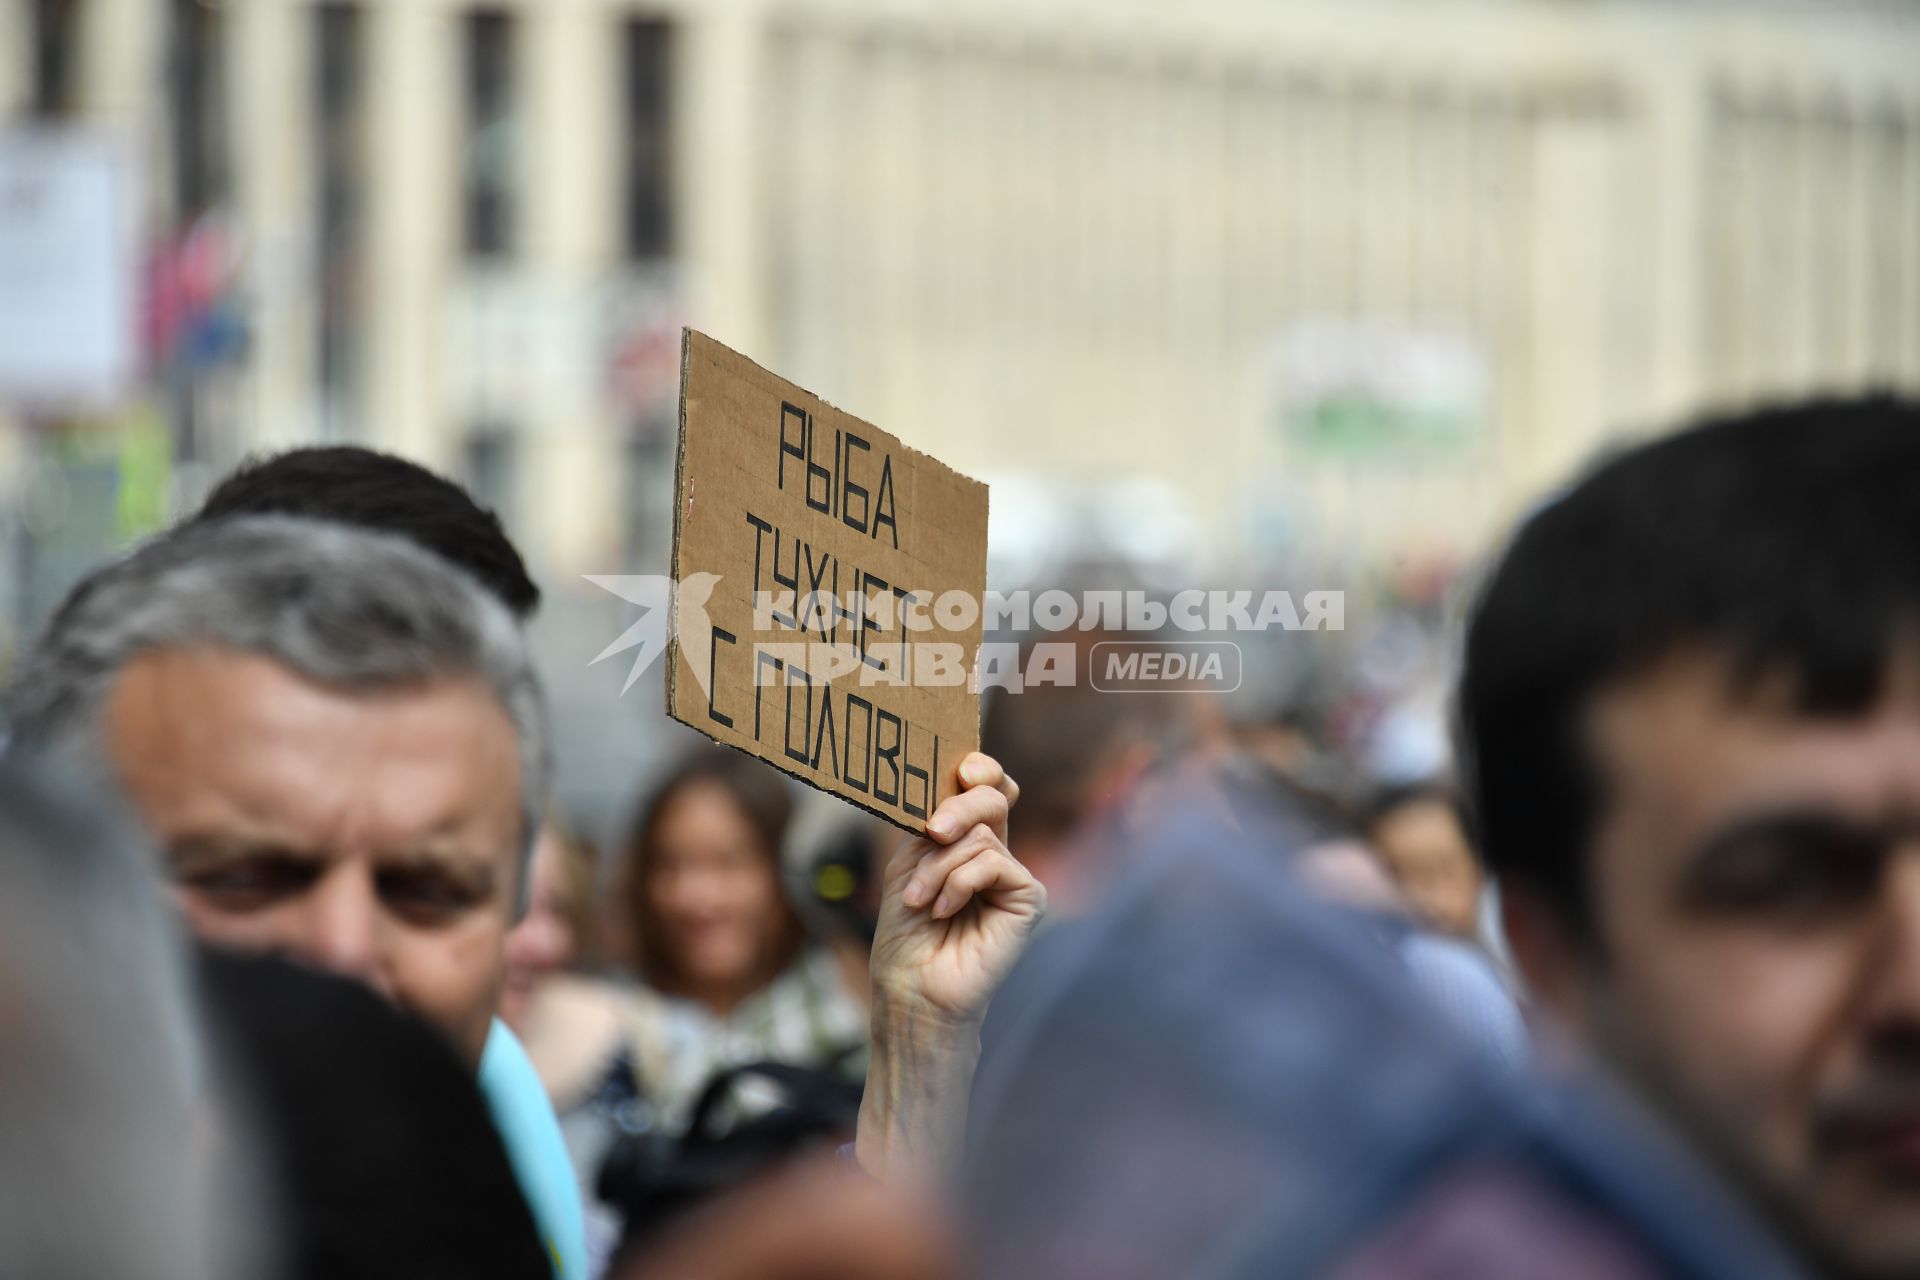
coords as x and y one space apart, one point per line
1690 722
373 490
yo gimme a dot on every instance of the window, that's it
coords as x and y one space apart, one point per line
55 35
646 139
196 77
340 139
491 163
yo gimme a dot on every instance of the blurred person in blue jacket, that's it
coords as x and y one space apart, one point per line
1214 1073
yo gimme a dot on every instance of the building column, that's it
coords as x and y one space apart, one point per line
16 59
719 97
1576 255
571 190
1674 88
120 81
272 65
413 190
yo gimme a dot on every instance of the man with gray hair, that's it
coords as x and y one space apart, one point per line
337 742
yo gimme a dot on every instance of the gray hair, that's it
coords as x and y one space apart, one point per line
345 607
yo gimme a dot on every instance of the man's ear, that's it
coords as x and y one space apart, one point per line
1550 953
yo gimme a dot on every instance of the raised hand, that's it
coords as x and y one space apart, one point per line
956 909
956 912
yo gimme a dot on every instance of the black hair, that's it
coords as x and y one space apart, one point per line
372 490
378 1143
1785 542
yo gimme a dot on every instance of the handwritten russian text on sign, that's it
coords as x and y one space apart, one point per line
827 617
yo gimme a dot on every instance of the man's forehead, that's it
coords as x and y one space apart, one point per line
180 689
238 836
1689 733
248 676
216 741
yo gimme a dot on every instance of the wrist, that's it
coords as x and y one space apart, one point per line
899 1013
919 1076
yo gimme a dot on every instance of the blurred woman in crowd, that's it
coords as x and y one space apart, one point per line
727 977
731 984
711 931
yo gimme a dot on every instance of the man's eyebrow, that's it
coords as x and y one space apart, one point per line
1743 835
1770 823
450 861
203 850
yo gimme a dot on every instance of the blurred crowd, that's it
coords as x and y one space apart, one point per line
301 974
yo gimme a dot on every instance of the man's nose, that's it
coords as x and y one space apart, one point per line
1892 968
342 928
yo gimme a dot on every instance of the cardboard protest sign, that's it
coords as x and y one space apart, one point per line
829 581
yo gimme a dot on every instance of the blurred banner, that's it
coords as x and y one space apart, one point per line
1357 388
66 271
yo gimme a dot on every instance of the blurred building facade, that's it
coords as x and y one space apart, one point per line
1365 274
1243 280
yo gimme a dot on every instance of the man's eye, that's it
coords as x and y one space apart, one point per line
426 896
250 883
1803 878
